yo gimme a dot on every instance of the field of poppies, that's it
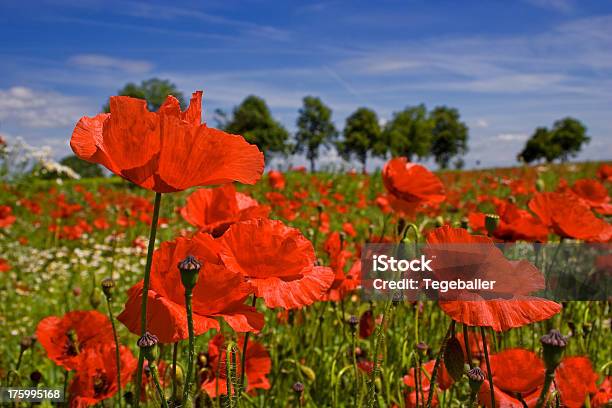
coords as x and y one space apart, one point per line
197 279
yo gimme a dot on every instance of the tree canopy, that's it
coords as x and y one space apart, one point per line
362 134
252 119
449 135
408 133
564 140
314 128
84 168
153 90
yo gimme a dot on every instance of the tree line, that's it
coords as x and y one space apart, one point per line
414 132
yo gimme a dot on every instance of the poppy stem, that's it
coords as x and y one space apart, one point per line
244 351
117 352
489 373
434 373
145 292
190 355
174 355
155 376
548 379
466 341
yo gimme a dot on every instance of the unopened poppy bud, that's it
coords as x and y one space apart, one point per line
35 377
353 321
148 344
540 185
422 348
76 291
129 397
27 342
554 344
190 268
397 298
491 222
476 377
107 287
298 388
94 298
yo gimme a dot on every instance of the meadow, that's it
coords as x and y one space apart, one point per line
61 241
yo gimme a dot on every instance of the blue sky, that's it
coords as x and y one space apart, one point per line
508 66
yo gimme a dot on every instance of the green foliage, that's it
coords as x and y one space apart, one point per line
408 133
449 135
252 119
153 90
315 128
362 134
83 168
563 141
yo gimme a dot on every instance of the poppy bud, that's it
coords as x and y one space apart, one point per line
76 291
148 343
298 388
107 287
35 377
554 344
540 185
27 342
189 267
94 298
366 324
353 321
308 372
421 348
129 397
465 222
476 378
397 298
491 222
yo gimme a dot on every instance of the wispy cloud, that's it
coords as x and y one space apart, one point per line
98 61
563 6
29 108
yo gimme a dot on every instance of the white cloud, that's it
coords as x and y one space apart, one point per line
481 124
98 61
512 137
563 6
38 109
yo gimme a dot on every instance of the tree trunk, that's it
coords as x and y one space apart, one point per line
312 165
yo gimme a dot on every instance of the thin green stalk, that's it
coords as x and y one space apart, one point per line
434 373
244 352
548 379
155 377
190 355
489 373
355 368
117 352
174 355
145 292
466 342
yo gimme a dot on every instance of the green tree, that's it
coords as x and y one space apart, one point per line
252 119
315 129
563 141
537 147
449 135
84 168
153 90
408 133
362 134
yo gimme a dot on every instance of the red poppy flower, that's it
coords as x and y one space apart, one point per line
96 375
213 210
154 149
515 224
277 260
594 194
569 217
457 254
66 338
412 182
276 179
4 265
519 372
6 216
603 396
443 380
366 324
604 172
213 377
338 257
219 292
